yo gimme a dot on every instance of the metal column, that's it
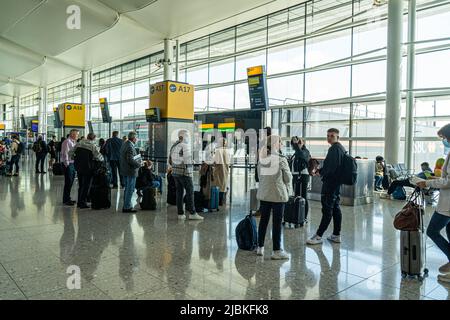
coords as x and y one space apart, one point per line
16 115
409 124
177 61
168 57
86 92
42 113
393 81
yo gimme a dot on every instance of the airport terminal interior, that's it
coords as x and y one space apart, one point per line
375 70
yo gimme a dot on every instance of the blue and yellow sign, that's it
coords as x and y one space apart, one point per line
174 99
73 115
257 86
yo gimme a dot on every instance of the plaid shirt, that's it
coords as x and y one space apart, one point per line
181 159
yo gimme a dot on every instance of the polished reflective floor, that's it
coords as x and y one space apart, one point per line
152 255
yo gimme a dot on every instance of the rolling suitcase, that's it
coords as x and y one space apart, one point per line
412 247
294 211
100 193
214 200
58 169
148 201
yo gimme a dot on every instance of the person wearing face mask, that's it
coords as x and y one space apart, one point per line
441 217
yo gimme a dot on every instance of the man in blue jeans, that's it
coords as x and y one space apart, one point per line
69 168
130 162
330 195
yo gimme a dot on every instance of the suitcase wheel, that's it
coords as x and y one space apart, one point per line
404 275
425 272
302 224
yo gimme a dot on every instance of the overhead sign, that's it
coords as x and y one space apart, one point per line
257 85
174 99
104 108
34 125
72 114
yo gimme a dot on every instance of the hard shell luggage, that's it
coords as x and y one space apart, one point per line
171 190
294 211
214 200
413 244
148 201
254 202
412 254
100 192
58 169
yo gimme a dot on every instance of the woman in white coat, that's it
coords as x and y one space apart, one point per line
441 217
275 180
221 169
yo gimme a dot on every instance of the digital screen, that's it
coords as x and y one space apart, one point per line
253 81
149 112
34 127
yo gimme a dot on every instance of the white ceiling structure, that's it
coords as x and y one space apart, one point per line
38 49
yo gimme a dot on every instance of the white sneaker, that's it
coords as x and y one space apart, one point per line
260 251
279 255
444 278
335 239
181 217
315 239
195 217
292 226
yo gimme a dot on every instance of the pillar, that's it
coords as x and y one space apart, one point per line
168 57
177 61
86 92
409 123
42 113
393 81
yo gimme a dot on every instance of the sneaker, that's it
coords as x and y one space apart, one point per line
83 206
445 269
335 239
181 217
315 239
260 251
292 226
279 255
69 203
195 217
444 278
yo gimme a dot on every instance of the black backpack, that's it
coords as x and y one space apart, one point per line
20 148
148 199
246 234
349 170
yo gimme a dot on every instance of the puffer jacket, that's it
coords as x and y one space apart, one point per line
85 153
275 179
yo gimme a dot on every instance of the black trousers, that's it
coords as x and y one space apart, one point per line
330 209
84 184
114 164
40 159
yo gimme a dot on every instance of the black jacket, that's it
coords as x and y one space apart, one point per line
300 159
145 178
332 163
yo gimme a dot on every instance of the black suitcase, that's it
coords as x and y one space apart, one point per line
294 211
171 190
58 169
148 199
100 192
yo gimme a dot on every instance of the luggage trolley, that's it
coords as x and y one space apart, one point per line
413 254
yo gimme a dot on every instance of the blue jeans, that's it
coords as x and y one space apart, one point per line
265 209
330 209
130 184
378 181
437 223
69 177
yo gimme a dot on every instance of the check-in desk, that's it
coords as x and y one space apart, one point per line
358 194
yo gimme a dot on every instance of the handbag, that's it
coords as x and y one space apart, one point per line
313 166
409 217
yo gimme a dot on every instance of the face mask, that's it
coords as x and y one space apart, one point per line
446 143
